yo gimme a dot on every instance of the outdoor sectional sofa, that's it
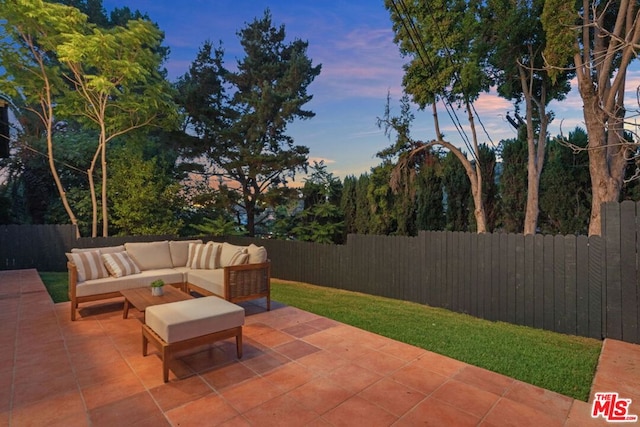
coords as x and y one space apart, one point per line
235 273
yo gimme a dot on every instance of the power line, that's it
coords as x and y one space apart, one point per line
412 31
456 75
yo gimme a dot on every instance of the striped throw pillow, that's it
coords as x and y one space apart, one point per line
203 255
120 264
89 265
232 255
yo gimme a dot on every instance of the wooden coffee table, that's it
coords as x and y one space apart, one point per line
141 298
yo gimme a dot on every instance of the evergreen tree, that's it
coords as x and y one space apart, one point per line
241 117
457 194
321 220
429 197
363 207
489 186
513 184
348 205
566 197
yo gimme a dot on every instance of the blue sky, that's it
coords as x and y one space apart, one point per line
353 41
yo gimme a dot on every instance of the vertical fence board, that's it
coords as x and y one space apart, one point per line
548 310
519 297
570 284
597 288
612 234
472 275
529 280
582 286
495 278
559 284
628 268
538 281
486 276
450 278
467 261
511 282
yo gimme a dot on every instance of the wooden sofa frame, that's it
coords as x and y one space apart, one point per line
243 282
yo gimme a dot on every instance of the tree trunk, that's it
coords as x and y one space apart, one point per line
56 179
535 149
105 216
606 161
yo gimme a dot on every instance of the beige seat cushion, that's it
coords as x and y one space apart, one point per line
210 280
182 320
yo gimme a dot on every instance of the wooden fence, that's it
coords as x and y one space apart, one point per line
579 285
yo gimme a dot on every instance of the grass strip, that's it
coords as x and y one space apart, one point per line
562 363
57 285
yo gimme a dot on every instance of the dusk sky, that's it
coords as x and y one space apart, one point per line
353 41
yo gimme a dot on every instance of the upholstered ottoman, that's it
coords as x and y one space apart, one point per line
182 325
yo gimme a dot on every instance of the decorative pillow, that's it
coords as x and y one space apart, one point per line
239 259
150 255
257 254
89 265
120 264
203 255
180 251
232 254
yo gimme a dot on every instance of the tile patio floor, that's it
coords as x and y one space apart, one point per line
298 369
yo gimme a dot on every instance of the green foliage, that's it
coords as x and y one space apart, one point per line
457 191
565 201
321 219
143 196
441 37
429 197
220 226
383 218
348 205
513 184
562 363
559 23
363 207
240 117
490 194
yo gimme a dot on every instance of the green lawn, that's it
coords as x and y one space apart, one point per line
562 363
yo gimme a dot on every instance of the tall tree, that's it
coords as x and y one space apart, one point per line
440 37
599 39
514 41
33 30
241 117
117 89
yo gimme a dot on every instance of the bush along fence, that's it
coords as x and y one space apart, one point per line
578 285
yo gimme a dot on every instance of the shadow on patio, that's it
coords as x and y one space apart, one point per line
298 369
